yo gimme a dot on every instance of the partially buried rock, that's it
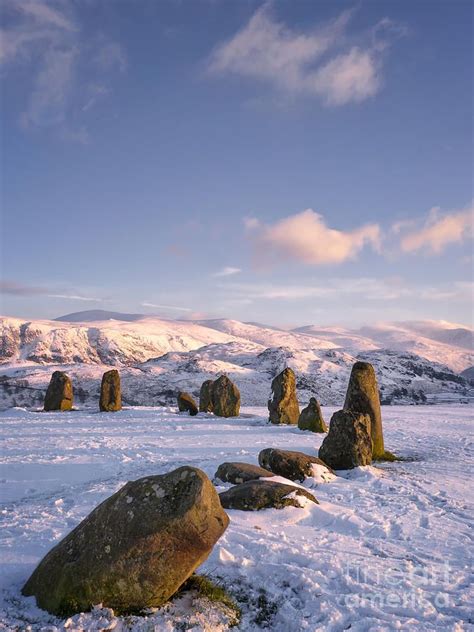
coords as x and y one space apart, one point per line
311 417
363 397
59 392
187 404
135 549
293 465
205 397
225 398
348 443
255 495
240 472
283 406
110 393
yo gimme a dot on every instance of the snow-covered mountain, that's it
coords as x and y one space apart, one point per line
414 361
437 341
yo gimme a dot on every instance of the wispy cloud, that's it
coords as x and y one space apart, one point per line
170 307
18 289
68 69
76 297
314 62
305 237
437 231
341 290
227 271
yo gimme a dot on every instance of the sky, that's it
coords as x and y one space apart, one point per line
282 162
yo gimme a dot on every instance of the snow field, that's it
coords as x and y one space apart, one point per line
387 548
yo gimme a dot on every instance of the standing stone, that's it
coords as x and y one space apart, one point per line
110 395
363 397
135 549
348 443
283 407
225 398
205 397
59 393
311 417
187 404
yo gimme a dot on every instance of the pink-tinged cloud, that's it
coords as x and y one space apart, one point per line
309 62
305 237
440 231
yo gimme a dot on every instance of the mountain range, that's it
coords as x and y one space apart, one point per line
416 361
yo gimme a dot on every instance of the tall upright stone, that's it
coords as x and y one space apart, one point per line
225 398
363 397
59 394
311 417
205 397
283 406
110 393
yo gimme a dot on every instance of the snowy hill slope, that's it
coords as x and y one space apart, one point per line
102 342
267 336
157 358
437 341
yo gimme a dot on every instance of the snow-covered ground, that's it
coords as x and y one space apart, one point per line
387 548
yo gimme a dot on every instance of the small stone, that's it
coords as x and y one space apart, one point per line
257 494
311 417
187 404
240 472
293 465
348 443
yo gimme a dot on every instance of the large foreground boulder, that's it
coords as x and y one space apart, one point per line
225 397
348 443
288 463
110 393
363 397
236 473
283 406
135 549
59 393
186 404
255 495
205 397
311 417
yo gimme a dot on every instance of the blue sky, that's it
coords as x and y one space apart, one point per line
285 162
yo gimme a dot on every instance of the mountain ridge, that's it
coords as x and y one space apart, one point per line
157 357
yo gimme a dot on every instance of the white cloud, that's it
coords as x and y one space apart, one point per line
171 307
439 231
51 90
305 237
110 56
291 60
76 297
251 222
351 76
68 69
340 290
227 271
